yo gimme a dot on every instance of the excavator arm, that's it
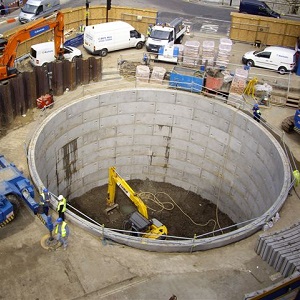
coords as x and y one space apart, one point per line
59 35
115 179
152 229
35 28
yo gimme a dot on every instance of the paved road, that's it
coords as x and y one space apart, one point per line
209 18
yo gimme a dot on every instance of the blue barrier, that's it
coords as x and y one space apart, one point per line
298 64
75 42
186 79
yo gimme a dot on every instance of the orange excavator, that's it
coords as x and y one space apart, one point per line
9 51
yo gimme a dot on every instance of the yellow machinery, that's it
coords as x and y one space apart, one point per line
138 220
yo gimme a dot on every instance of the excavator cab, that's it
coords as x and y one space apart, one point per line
140 226
3 43
12 71
138 223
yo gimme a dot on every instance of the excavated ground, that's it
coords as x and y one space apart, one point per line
192 214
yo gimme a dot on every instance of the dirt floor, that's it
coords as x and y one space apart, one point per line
184 213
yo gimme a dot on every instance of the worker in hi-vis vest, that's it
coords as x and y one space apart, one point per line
61 206
256 112
62 232
149 29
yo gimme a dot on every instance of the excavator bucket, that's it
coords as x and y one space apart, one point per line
110 208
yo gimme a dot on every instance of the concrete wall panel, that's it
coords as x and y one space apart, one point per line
143 129
105 133
199 139
90 132
200 127
198 144
164 119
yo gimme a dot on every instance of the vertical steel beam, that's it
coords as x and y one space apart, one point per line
57 80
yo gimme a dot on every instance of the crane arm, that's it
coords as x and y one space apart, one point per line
115 179
35 28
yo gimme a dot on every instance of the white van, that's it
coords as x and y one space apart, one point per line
275 58
34 9
43 53
102 38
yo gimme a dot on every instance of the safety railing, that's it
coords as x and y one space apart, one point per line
85 219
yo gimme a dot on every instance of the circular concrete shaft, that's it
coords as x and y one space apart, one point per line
188 140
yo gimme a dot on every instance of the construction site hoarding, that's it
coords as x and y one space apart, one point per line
264 30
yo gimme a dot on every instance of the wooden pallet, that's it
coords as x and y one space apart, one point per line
293 100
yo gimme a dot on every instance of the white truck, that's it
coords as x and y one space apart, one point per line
41 54
165 35
102 38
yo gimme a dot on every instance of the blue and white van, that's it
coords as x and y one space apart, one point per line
41 54
276 58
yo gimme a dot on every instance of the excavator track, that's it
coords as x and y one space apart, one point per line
287 124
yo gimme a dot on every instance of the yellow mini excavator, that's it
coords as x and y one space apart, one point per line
139 221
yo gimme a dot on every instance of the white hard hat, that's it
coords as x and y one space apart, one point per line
60 197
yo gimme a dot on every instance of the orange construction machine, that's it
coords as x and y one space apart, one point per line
7 60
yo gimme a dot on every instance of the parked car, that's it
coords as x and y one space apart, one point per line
276 58
256 7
